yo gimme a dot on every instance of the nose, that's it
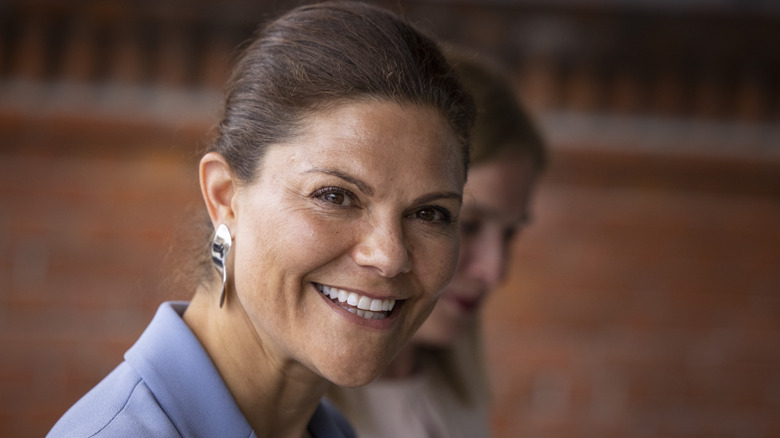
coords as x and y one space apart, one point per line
383 247
487 260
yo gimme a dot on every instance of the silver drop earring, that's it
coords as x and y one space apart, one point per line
220 247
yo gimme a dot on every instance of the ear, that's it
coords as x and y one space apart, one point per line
218 188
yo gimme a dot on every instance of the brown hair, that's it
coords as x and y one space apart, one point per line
314 58
318 56
502 124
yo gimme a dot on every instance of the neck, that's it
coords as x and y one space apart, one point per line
276 394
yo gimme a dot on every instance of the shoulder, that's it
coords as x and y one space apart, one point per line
120 405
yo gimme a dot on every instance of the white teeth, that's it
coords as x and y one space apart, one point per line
368 314
362 306
364 303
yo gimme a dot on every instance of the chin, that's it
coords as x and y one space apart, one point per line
356 379
444 326
440 335
353 369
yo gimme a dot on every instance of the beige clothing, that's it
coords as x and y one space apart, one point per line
410 408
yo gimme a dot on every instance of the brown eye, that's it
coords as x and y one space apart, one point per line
436 215
333 198
470 228
427 214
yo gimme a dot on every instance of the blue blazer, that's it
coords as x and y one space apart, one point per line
168 387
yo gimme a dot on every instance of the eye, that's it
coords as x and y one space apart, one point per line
434 214
470 227
333 198
510 233
335 195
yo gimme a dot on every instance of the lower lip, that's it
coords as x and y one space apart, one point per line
376 324
465 306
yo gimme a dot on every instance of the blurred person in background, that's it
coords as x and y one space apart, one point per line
437 386
334 184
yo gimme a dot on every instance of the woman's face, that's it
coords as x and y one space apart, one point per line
351 219
495 208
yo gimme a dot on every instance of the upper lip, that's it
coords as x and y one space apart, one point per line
356 299
375 296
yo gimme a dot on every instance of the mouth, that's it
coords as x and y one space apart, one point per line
360 305
465 305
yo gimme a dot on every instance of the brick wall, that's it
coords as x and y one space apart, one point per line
646 306
643 301
85 243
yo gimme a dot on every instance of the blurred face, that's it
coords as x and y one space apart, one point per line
496 199
344 242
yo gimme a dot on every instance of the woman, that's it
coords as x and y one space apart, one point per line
334 185
436 387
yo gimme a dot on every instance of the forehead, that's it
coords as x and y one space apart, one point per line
501 187
377 139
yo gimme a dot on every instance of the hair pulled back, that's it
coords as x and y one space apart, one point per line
318 56
502 124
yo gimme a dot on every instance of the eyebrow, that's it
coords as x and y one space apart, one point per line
438 196
365 188
483 210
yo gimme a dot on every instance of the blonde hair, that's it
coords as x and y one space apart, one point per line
501 126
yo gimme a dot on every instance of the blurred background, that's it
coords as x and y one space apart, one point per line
644 300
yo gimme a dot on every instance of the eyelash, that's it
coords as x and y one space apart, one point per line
446 215
348 195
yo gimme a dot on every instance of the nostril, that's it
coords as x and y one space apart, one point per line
385 249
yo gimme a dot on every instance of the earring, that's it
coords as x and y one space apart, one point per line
220 247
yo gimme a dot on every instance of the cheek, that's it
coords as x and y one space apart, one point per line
299 238
465 251
276 249
438 264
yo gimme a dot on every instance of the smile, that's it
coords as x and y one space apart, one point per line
360 305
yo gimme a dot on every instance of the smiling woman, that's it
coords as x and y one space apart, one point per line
361 204
335 183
